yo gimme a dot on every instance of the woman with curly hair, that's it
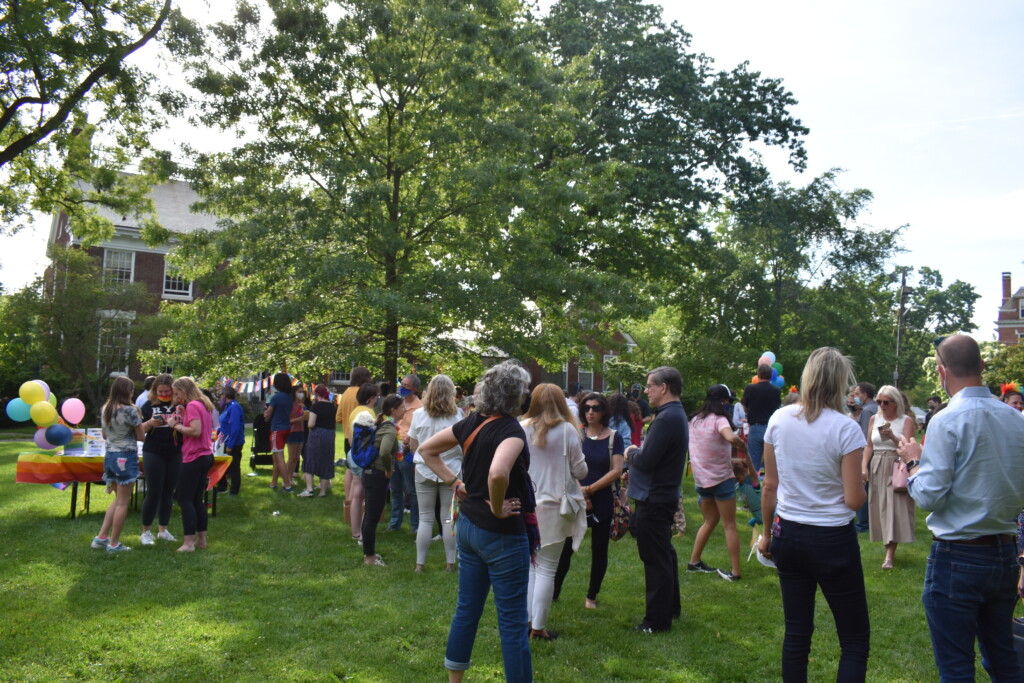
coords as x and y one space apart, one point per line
492 537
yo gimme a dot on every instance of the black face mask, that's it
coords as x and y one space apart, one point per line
635 394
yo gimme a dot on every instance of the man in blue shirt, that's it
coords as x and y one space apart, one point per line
655 475
971 477
232 429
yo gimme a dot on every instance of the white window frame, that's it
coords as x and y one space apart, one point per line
588 361
340 378
608 357
116 315
565 375
1020 309
177 295
107 253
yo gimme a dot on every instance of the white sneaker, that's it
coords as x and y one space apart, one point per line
147 538
166 535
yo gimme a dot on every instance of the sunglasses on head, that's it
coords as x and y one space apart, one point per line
937 342
595 407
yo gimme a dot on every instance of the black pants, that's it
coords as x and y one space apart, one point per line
161 478
652 527
234 473
375 492
191 484
810 556
599 540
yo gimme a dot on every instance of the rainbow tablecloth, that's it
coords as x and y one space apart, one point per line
40 468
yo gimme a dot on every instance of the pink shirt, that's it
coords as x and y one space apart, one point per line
193 447
710 454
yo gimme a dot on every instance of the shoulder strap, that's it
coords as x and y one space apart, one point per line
469 440
611 443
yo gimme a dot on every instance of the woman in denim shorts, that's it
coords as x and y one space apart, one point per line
711 442
122 427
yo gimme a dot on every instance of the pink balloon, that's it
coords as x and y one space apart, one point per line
73 410
764 360
40 439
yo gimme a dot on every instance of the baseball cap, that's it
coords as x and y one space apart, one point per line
719 392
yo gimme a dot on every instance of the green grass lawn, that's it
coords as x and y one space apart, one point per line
286 597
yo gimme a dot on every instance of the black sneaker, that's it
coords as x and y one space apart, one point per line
728 576
700 567
644 627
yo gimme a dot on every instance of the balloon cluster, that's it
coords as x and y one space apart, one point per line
768 358
36 403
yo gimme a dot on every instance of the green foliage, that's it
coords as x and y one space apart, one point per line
1003 364
65 62
20 343
417 177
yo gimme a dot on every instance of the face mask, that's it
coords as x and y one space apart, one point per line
635 394
403 392
856 401
300 395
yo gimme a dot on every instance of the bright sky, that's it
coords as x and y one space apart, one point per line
921 102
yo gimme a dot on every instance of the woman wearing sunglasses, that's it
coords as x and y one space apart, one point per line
602 451
891 513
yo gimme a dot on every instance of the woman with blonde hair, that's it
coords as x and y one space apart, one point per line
195 426
812 491
556 465
890 513
438 412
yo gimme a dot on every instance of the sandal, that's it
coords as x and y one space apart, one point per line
887 564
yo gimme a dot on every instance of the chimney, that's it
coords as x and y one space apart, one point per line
1006 288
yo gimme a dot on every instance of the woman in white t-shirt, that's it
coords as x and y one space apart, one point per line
438 412
812 490
711 442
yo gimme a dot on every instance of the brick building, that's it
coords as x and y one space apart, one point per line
1010 323
125 258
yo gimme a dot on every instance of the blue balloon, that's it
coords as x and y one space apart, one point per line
775 374
58 434
18 410
778 382
770 355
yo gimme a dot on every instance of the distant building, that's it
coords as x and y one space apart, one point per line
126 258
1010 324
587 370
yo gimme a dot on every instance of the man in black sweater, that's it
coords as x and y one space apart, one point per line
656 473
760 400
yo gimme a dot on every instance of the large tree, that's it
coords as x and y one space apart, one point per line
411 176
422 166
65 63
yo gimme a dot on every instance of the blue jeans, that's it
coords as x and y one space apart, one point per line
970 592
755 447
810 556
501 561
403 488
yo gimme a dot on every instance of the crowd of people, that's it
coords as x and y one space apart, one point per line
528 473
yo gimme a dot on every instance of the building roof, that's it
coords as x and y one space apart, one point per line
173 200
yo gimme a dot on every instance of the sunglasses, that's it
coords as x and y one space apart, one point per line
938 341
886 403
590 407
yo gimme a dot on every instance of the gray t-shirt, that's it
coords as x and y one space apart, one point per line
120 433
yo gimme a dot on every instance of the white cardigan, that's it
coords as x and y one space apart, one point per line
552 476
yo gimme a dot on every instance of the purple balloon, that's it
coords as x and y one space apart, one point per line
40 439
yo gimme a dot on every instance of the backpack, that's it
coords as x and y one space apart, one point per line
363 452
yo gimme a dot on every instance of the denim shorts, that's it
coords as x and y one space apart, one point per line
120 467
296 437
724 491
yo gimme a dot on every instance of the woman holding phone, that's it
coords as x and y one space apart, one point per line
890 513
